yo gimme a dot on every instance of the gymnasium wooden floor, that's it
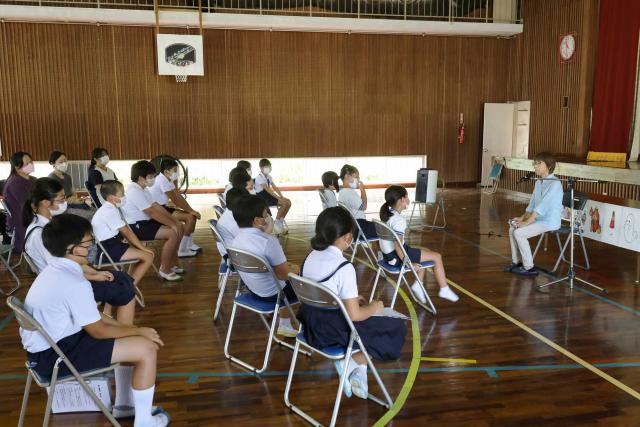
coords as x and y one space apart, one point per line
517 379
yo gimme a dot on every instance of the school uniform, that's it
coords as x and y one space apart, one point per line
267 247
118 292
106 224
159 191
139 199
330 197
228 229
398 224
383 337
260 182
15 193
96 177
33 245
61 300
351 199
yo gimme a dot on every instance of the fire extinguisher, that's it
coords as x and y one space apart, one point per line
461 130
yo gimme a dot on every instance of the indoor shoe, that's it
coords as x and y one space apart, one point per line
521 271
339 364
171 277
287 331
122 412
358 381
418 292
187 254
447 293
509 268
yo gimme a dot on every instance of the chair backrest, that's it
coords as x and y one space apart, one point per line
32 265
496 169
361 235
385 232
222 200
247 262
316 295
5 208
580 199
219 210
27 322
213 224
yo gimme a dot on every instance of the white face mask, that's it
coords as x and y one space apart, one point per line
174 176
104 160
249 172
267 170
61 167
252 191
150 181
354 184
61 208
123 200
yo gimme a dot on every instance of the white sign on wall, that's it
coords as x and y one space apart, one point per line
180 54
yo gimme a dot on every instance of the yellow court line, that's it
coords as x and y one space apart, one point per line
547 341
444 359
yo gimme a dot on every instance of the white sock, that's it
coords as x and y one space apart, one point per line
184 244
124 396
280 221
286 322
190 237
142 400
447 293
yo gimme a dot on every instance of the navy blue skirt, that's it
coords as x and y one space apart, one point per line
368 228
383 337
115 247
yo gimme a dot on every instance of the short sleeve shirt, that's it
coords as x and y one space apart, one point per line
261 181
352 201
138 199
321 264
106 222
398 223
160 188
34 247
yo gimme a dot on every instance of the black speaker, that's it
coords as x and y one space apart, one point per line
422 183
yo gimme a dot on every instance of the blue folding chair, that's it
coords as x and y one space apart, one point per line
361 241
225 271
316 295
386 233
494 177
247 262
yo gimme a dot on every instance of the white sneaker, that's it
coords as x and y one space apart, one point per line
195 247
287 331
418 292
380 256
358 380
161 419
277 229
339 364
171 277
121 412
187 253
447 293
178 270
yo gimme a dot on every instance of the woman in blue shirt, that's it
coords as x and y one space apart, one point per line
542 214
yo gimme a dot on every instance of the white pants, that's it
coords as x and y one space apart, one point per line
519 237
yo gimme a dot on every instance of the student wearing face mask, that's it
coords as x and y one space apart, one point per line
163 191
47 201
256 225
77 206
99 173
330 187
242 165
269 192
15 193
150 221
354 195
109 228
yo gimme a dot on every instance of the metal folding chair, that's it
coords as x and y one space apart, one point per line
219 210
5 251
580 200
361 240
27 322
222 201
224 271
386 233
12 244
247 262
316 295
494 177
323 199
118 266
439 203
96 203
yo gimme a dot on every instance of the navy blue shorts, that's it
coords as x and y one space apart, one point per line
82 350
268 198
414 255
146 230
288 292
368 228
117 293
168 209
115 247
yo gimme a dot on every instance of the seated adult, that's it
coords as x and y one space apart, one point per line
76 204
15 192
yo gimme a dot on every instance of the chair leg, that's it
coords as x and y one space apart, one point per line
52 390
292 369
7 264
25 400
226 341
222 279
587 266
562 248
387 402
535 252
272 330
395 291
139 296
375 284
354 250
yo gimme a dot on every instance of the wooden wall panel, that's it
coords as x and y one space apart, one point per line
72 87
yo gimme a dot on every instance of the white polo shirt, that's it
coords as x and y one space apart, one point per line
61 299
33 246
261 181
228 229
398 223
268 248
320 264
160 188
107 222
330 197
138 199
352 200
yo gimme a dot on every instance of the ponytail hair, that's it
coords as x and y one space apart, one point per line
330 178
97 153
43 189
331 224
391 197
